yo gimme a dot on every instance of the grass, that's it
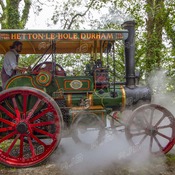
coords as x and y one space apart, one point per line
170 159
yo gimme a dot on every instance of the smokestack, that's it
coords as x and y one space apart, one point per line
130 53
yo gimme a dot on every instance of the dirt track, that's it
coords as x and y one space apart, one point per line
70 159
158 168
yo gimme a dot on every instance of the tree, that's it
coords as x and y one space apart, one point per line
155 37
76 14
157 16
11 16
15 13
155 42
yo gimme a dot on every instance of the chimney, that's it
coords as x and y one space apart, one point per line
130 53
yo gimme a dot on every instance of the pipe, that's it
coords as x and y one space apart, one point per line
130 53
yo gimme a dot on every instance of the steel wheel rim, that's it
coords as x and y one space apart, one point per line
158 131
32 132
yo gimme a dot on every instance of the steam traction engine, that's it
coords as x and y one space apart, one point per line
40 107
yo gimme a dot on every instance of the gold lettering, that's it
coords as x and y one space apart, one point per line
23 36
59 36
29 36
18 37
75 36
98 36
52 36
83 36
103 36
69 36
62 36
13 36
66 36
89 35
47 36
40 36
34 36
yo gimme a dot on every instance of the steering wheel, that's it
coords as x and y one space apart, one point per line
48 67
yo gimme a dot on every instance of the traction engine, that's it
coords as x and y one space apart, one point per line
45 104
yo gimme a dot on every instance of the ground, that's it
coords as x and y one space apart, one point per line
116 169
70 159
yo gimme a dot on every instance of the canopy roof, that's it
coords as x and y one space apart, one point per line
65 41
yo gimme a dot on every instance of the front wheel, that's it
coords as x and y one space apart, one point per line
151 127
30 126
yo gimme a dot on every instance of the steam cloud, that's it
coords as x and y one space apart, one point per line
114 155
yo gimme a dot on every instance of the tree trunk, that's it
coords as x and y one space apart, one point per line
154 26
11 18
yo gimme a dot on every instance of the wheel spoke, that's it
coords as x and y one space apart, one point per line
44 132
42 124
137 129
8 113
151 143
38 140
8 136
25 98
146 121
21 146
7 122
6 129
138 134
33 109
40 115
12 144
158 143
31 146
16 108
166 126
161 119
141 141
164 136
151 117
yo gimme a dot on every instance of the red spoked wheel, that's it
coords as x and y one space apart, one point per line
30 126
151 128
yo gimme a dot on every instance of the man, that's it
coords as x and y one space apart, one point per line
10 64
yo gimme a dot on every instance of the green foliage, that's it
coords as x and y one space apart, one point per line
13 15
76 14
155 37
154 32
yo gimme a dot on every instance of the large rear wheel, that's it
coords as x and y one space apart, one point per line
30 126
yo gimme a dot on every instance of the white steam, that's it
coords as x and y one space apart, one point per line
116 16
114 155
159 82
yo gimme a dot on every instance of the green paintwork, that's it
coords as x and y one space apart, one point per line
62 85
107 100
